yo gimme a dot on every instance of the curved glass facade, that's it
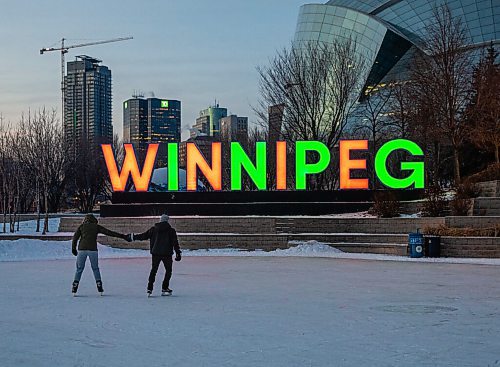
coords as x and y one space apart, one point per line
388 32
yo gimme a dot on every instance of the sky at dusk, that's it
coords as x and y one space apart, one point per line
192 50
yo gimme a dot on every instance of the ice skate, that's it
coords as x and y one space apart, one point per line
149 292
166 292
99 287
74 288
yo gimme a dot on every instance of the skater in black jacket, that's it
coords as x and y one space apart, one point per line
162 242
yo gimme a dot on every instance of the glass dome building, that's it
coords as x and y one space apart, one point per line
389 32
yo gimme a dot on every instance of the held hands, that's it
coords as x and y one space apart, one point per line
178 256
129 237
74 252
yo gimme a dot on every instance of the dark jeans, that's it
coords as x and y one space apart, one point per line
167 262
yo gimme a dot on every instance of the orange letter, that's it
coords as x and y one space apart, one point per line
347 164
195 159
281 165
130 167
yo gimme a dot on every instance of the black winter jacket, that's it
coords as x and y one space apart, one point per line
162 239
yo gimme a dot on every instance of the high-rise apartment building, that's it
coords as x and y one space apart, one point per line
87 103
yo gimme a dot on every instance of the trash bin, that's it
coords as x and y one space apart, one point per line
416 244
432 247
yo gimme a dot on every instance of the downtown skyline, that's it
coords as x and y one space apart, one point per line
173 53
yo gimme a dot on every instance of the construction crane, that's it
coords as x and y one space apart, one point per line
64 50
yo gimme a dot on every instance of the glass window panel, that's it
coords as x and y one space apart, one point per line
348 24
487 20
488 29
316 27
328 19
341 12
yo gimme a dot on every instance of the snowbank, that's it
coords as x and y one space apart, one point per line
26 250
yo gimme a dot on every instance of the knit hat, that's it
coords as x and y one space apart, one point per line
164 218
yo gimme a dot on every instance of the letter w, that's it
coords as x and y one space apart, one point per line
130 167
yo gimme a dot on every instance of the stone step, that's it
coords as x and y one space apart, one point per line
350 237
490 212
473 222
395 249
266 225
487 203
489 188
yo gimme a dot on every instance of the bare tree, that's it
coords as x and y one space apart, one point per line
485 108
319 84
89 177
442 78
373 122
402 108
46 153
4 174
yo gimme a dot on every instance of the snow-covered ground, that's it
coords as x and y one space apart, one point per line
29 226
29 250
252 311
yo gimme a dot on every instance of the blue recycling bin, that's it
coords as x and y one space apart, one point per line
416 244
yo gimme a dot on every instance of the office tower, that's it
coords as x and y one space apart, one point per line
234 128
135 123
87 103
204 144
208 123
275 120
151 120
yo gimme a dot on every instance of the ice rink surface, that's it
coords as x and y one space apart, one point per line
252 311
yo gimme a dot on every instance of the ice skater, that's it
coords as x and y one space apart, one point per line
87 247
162 244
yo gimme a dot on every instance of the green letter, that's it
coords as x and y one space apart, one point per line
256 172
417 176
173 166
302 168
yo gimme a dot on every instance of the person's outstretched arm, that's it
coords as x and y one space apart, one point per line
108 232
143 236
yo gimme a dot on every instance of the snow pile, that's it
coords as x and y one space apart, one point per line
26 250
309 248
364 214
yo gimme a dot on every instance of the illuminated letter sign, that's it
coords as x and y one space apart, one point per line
347 164
239 160
256 168
302 168
196 160
130 167
164 104
417 176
